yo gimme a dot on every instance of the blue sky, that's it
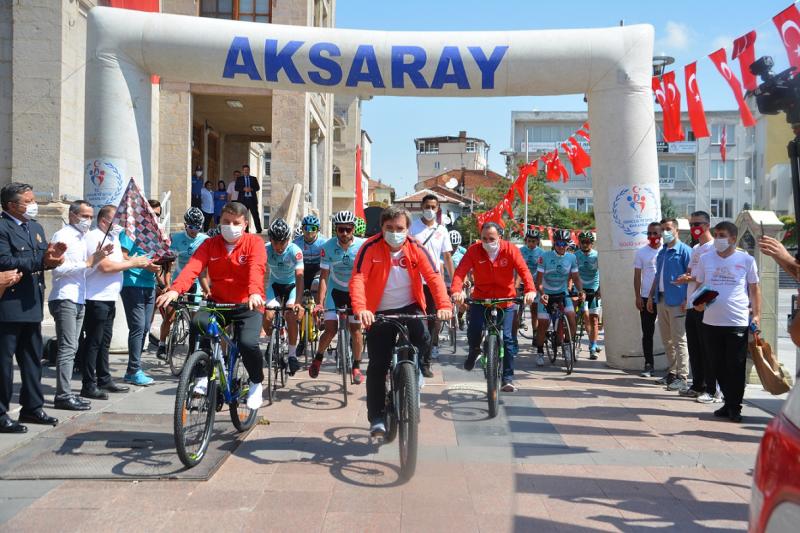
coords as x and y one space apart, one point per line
686 30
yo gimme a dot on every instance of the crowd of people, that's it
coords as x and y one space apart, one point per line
409 268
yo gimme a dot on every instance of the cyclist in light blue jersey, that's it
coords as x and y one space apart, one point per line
555 269
285 274
531 253
458 253
310 242
338 256
589 272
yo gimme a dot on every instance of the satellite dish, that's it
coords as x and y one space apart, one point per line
452 183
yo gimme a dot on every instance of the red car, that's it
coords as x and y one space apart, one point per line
775 496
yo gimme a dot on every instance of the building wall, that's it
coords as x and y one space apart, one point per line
6 90
175 148
348 121
452 155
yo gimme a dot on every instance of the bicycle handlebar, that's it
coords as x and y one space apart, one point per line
214 306
493 301
379 317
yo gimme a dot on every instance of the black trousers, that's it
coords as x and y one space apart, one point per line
23 339
98 328
727 346
381 340
704 379
252 206
207 218
430 308
648 330
249 330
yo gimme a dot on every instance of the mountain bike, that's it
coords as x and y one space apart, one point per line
559 337
209 379
493 349
402 393
180 341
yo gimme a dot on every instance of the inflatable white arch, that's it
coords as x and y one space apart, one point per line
612 67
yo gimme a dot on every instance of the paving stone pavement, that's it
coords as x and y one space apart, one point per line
594 451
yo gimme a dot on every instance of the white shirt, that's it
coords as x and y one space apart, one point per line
397 292
233 194
206 201
698 250
645 260
103 286
69 278
437 244
730 277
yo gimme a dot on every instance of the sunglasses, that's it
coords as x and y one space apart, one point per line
586 242
193 228
344 229
311 228
697 224
653 234
561 243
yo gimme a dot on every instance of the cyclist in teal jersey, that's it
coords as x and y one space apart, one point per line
589 272
310 242
338 256
458 253
285 274
531 253
555 269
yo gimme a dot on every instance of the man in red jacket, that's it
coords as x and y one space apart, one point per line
493 262
387 279
235 262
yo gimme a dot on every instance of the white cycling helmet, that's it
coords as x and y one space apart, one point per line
455 238
344 217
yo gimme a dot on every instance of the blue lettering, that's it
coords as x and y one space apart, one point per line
450 56
488 66
400 67
275 61
325 63
240 46
365 54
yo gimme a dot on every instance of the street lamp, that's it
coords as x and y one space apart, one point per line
660 63
509 156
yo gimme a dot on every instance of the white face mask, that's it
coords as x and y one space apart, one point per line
198 173
428 214
395 239
721 245
231 233
116 229
667 237
491 247
31 210
84 225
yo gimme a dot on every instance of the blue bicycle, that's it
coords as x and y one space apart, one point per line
211 378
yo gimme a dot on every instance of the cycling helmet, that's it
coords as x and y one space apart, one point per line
586 236
361 227
533 233
213 232
279 230
310 220
298 231
194 217
562 235
455 238
344 217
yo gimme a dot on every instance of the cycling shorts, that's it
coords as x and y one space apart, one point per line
279 294
592 303
336 299
310 271
544 310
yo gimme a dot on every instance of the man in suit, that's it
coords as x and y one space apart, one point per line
23 247
247 187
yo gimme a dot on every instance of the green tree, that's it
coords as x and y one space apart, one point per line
668 209
790 228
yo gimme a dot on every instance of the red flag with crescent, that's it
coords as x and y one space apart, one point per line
672 132
744 49
788 24
674 99
697 115
720 60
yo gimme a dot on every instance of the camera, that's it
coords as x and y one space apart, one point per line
778 92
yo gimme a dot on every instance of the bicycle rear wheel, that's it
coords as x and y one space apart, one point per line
492 374
523 327
453 330
550 344
268 355
409 419
195 409
242 416
568 347
178 348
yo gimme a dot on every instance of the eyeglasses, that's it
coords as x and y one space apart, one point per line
344 229
193 228
561 243
311 228
653 234
697 224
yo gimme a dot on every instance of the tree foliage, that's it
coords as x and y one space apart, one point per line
668 209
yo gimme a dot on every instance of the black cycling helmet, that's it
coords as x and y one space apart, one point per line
279 230
194 217
586 236
562 235
533 233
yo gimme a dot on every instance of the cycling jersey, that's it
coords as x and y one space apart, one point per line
457 255
556 270
184 246
339 262
588 269
282 267
311 251
531 256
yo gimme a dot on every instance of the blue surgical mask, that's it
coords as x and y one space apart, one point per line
667 237
395 239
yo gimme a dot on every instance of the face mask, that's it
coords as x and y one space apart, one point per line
668 236
31 210
395 239
654 241
198 173
696 232
721 245
116 229
491 247
231 233
84 225
428 214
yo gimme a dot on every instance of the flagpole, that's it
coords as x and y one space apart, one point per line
527 160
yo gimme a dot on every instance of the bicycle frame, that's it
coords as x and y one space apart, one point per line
217 334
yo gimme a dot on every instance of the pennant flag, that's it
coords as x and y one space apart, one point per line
140 223
506 202
723 143
671 132
788 24
531 169
584 133
720 60
581 157
359 201
674 99
744 49
697 115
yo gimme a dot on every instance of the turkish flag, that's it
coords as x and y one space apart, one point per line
584 132
359 201
697 115
788 24
506 202
723 144
744 49
581 156
531 169
674 99
720 60
555 169
671 131
578 161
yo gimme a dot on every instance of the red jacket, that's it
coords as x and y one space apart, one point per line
493 279
233 277
371 271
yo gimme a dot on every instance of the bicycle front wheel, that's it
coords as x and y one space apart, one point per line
242 416
453 330
342 356
270 364
178 348
568 348
409 419
550 344
195 408
492 373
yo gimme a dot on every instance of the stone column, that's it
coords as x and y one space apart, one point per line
313 178
175 150
290 143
